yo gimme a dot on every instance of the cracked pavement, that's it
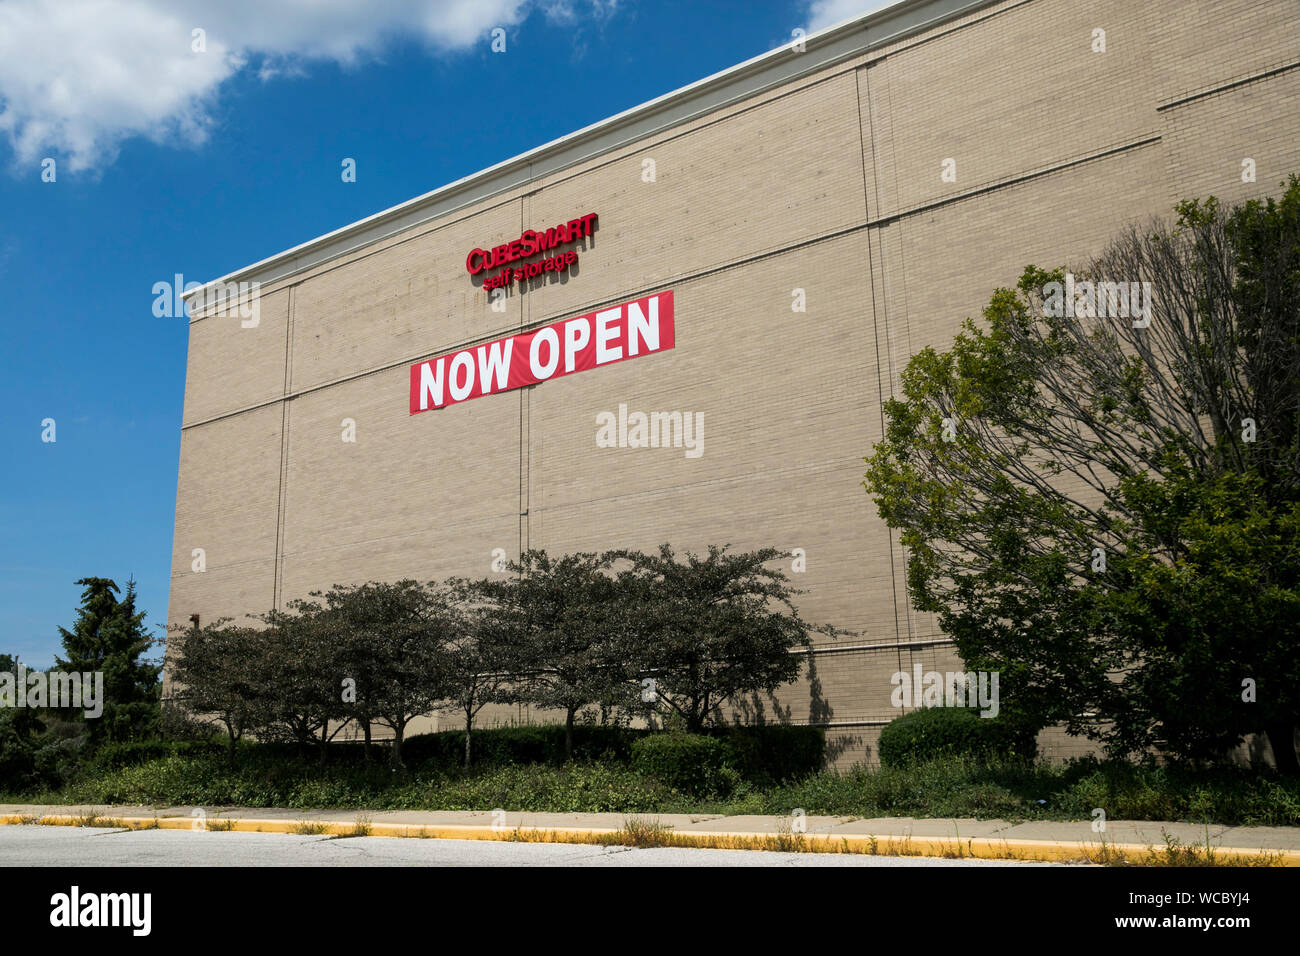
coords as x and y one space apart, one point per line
91 846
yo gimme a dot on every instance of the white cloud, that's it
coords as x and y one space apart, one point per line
560 11
78 77
827 13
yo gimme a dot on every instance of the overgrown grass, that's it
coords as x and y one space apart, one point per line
208 781
960 787
652 833
945 788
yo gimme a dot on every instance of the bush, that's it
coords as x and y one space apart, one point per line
17 756
133 753
947 787
576 787
541 744
762 754
775 753
58 760
38 753
934 732
692 763
176 723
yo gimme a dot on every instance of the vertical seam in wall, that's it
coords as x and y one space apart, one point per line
907 322
1168 129
525 406
875 316
893 155
278 579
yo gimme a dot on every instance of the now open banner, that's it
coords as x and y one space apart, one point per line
621 332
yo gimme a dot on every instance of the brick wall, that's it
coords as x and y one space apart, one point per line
830 184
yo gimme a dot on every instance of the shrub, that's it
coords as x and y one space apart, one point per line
692 763
576 787
58 760
934 732
540 744
44 754
175 723
775 753
17 755
948 787
133 753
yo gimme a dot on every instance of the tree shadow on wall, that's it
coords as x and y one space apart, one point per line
753 712
820 713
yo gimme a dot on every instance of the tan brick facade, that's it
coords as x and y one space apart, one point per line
827 181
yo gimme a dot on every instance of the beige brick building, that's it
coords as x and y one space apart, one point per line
819 170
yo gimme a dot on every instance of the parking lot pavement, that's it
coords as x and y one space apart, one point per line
27 846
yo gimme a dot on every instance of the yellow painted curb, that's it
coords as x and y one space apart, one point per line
817 842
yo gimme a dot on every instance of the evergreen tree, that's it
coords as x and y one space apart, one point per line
109 635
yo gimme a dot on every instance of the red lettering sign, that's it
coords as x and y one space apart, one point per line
587 341
529 244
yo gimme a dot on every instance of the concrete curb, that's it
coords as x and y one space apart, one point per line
814 842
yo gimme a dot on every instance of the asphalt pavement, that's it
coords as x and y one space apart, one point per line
34 846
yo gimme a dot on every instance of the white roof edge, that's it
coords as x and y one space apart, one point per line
916 15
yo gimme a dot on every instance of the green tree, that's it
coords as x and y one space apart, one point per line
305 654
1101 502
19 726
399 639
109 636
218 671
711 629
568 621
483 663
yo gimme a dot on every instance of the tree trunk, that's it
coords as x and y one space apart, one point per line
469 724
324 741
1281 737
568 734
366 747
233 740
397 745
695 717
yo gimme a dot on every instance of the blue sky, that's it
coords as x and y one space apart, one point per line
169 160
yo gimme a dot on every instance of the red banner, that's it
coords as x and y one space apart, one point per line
599 338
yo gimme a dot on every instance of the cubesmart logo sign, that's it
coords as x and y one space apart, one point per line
621 332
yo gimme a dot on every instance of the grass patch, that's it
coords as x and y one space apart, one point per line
651 833
952 787
1176 853
1018 791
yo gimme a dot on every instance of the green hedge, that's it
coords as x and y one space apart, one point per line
17 755
765 754
952 787
114 756
775 753
542 744
934 732
691 763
